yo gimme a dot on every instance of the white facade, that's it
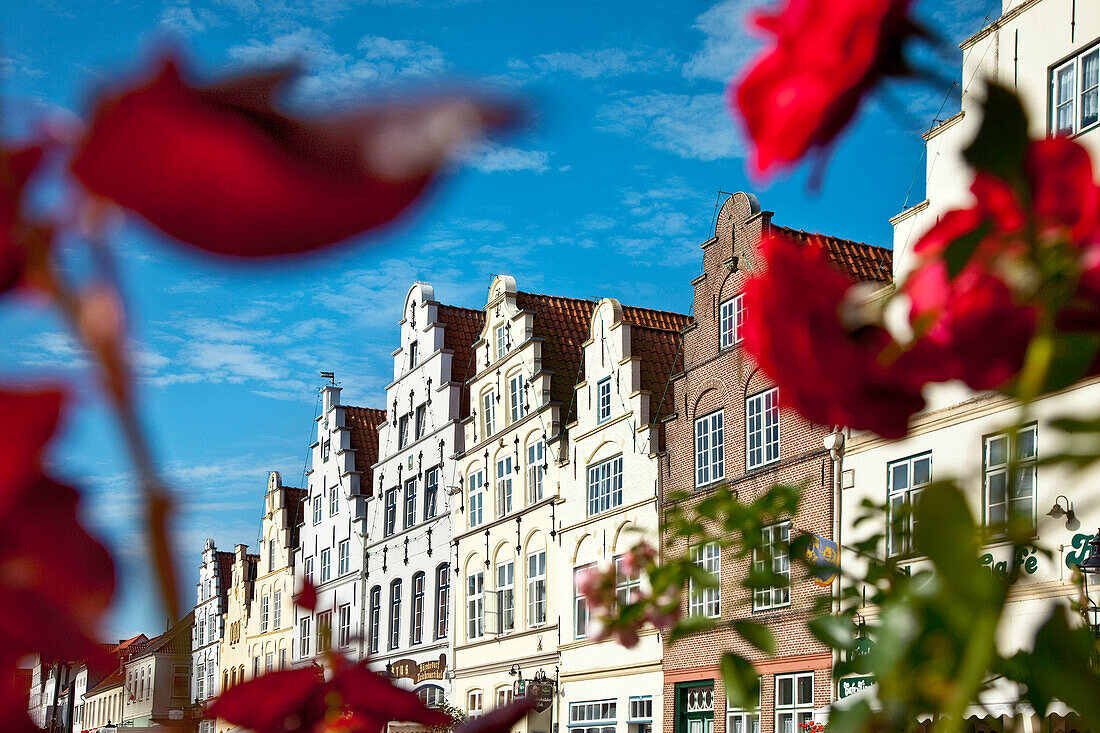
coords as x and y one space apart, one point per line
332 537
409 584
211 603
610 505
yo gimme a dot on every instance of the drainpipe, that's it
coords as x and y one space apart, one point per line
834 443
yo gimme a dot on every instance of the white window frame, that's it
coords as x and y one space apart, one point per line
473 704
799 710
277 610
420 425
324 631
710 448
416 610
265 612
706 602
402 431
389 517
580 603
409 514
501 335
343 635
627 587
504 486
603 400
536 588
1074 67
442 599
413 355
317 509
640 709
488 412
593 714
395 614
503 696
303 637
333 501
431 493
309 569
536 457
505 575
762 425
1025 465
343 557
731 321
375 618
475 605
605 485
475 501
326 564
743 720
515 397
903 488
765 599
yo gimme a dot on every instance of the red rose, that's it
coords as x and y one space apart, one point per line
800 93
831 372
16 167
221 168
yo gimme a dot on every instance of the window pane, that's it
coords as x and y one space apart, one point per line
1090 76
1025 444
998 450
922 470
899 477
997 493
785 691
805 690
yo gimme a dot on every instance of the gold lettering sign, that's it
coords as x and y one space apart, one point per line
431 669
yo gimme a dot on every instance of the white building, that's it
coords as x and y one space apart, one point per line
1049 51
88 678
211 602
332 537
610 493
407 569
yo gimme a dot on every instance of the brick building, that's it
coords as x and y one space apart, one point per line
726 427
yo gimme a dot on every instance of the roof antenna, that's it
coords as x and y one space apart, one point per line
330 377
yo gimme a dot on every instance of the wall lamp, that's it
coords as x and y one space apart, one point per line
1057 511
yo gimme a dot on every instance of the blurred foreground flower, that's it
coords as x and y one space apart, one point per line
16 166
220 167
615 615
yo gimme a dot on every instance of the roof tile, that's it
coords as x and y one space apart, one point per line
461 327
363 423
563 325
857 260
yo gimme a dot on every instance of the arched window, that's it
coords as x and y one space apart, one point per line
416 617
442 599
395 613
375 616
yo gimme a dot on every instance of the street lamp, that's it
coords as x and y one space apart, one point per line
1090 568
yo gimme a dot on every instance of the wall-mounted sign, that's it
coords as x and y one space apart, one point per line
543 692
852 685
418 672
822 554
1026 559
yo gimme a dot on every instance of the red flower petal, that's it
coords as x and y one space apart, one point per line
307 597
499 720
27 422
1063 191
266 702
219 167
16 167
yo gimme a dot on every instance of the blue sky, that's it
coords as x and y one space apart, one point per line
608 193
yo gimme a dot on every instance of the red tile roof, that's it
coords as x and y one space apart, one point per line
114 679
664 320
661 355
461 327
363 423
856 259
563 325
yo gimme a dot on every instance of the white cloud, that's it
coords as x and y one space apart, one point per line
599 222
604 62
697 127
497 158
181 18
728 44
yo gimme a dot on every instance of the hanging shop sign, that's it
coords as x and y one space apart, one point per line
418 672
851 685
541 690
823 555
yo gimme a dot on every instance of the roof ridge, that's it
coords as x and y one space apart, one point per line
831 236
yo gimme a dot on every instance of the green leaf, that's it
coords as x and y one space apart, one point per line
1002 140
742 681
835 632
689 625
945 532
1060 667
958 252
758 635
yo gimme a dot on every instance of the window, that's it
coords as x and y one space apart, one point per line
326 449
593 717
627 586
536 588
309 569
181 680
605 485
475 605
333 501
413 356
431 696
395 614
202 631
431 491
416 629
421 421
1010 494
317 509
200 679
282 659
580 603
504 486
794 701
269 662
442 599
515 397
774 547
743 720
410 502
343 638
403 431
477 498
603 400
536 459
389 521
706 601
904 481
265 612
710 461
375 616
324 632
473 704
506 590
1074 93
731 321
303 638
277 610
345 557
502 340
488 404
504 696
326 564
271 555
762 426
209 678
641 710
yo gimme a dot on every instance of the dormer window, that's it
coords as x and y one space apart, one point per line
413 356
502 341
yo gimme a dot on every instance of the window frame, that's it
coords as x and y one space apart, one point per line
420 422
265 612
1028 463
604 485
475 605
500 334
506 590
343 634
603 406
277 609
536 458
473 712
304 637
431 493
375 619
536 589
761 399
442 599
731 324
403 431
324 631
326 564
709 448
768 540
796 709
389 517
475 499
515 397
504 485
416 610
409 500
706 602
343 557
898 538
488 413
580 603
333 501
317 509
395 615
1077 94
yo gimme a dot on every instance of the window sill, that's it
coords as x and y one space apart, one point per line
767 609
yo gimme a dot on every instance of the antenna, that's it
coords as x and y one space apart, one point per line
329 376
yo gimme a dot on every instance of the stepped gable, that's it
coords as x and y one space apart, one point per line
363 423
857 260
563 325
461 328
